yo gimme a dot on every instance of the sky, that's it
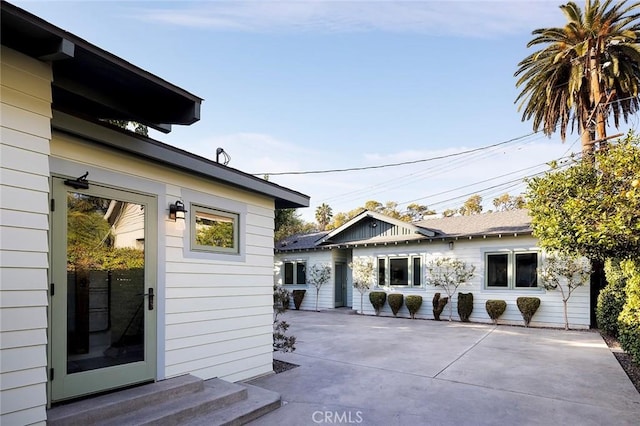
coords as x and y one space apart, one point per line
307 85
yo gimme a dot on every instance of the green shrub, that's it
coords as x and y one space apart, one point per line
377 299
298 295
465 306
395 302
495 308
413 303
629 319
611 298
438 305
281 297
528 307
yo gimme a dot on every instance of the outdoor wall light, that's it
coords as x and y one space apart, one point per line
177 214
450 245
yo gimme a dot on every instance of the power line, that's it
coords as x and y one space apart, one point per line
404 163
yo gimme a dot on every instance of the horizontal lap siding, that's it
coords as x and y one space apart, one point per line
326 299
550 313
25 133
218 312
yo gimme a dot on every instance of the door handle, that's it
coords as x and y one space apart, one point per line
150 300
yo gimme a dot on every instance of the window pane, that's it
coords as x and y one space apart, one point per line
399 271
526 269
381 272
301 273
288 273
497 270
417 271
215 230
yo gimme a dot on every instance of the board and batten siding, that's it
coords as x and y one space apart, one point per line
217 318
25 133
550 313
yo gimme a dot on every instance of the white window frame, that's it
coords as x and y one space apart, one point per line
295 263
410 272
511 269
235 220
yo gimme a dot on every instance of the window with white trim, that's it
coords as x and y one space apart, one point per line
214 230
400 271
511 269
294 272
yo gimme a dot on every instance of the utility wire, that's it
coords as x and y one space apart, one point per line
404 163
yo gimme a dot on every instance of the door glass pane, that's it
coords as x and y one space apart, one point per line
105 282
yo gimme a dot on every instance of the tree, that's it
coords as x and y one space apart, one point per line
449 212
417 212
565 273
473 205
584 72
288 222
281 341
590 209
136 127
318 275
363 274
449 274
323 216
508 202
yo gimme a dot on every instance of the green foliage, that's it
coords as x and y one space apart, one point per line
395 302
528 307
438 305
362 273
629 319
449 274
136 127
611 298
281 341
324 213
215 234
288 222
507 202
298 295
465 306
473 205
564 273
413 302
590 209
377 299
318 275
495 308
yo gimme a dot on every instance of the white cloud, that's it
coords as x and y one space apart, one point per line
454 18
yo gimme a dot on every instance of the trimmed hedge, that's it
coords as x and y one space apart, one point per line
528 307
438 305
377 299
611 298
298 295
395 302
495 308
629 319
465 306
413 303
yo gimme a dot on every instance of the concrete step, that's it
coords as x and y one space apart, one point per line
95 409
258 403
184 400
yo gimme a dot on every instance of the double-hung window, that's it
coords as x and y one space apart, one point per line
400 271
295 272
511 270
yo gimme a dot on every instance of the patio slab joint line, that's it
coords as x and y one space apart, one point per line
466 351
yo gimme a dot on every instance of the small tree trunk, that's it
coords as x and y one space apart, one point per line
317 297
566 316
361 304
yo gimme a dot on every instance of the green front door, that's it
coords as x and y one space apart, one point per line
103 267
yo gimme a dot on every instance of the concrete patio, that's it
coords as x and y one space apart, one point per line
393 371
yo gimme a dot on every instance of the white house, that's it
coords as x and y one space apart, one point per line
104 282
500 245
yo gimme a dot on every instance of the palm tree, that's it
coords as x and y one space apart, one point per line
586 72
323 215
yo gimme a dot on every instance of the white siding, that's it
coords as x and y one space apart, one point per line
326 299
25 133
218 309
550 313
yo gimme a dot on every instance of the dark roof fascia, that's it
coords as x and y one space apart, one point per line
171 156
70 53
